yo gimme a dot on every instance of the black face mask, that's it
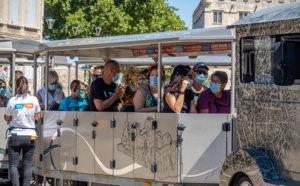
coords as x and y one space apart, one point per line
96 76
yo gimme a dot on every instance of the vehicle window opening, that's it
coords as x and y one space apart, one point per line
247 60
286 63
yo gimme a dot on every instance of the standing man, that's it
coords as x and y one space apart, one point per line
4 75
200 74
104 95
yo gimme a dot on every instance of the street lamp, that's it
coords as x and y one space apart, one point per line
98 30
50 22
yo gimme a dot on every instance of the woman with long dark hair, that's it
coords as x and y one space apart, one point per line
178 96
24 110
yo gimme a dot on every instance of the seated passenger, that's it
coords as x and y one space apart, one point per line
96 72
76 101
3 100
143 77
215 99
200 74
127 97
55 93
178 96
104 95
145 98
130 80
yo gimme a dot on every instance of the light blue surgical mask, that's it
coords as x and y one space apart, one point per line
2 91
154 81
52 87
215 87
117 79
200 78
81 94
189 86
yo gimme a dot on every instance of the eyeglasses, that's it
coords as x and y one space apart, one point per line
55 83
201 72
97 75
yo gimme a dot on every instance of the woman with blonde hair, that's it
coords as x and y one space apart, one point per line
55 93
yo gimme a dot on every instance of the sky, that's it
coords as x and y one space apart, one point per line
186 9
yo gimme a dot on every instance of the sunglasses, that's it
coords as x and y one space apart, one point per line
190 76
201 72
97 75
55 83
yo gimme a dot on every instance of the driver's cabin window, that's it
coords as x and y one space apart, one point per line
247 60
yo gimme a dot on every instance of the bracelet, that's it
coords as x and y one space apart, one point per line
181 92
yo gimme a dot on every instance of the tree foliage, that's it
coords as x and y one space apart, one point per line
115 17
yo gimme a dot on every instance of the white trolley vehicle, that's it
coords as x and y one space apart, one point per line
256 144
120 148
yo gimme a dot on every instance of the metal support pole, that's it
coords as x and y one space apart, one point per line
69 77
35 74
13 62
46 80
52 63
159 100
76 71
232 103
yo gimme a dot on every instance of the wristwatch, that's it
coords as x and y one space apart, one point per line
181 92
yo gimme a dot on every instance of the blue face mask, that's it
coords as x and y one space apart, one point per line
154 81
189 86
52 87
143 82
81 94
117 79
215 87
2 91
200 78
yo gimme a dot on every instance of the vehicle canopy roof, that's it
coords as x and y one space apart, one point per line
175 43
280 12
23 48
210 60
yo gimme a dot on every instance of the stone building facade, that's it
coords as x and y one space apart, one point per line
21 19
212 13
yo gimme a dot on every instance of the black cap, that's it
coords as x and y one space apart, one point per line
200 64
18 72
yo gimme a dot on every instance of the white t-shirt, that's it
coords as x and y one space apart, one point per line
23 112
58 94
4 75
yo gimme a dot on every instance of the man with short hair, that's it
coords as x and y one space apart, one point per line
104 95
200 74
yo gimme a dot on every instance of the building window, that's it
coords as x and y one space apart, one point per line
218 17
243 14
14 10
30 21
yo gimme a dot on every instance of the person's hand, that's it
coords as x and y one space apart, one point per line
119 90
184 84
54 102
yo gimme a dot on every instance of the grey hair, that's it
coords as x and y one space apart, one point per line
222 75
